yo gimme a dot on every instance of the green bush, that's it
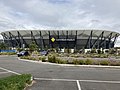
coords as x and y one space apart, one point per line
52 58
32 58
43 59
76 62
7 53
88 62
24 57
15 82
59 61
104 62
81 62
40 58
20 49
28 57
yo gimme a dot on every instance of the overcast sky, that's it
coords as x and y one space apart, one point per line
52 14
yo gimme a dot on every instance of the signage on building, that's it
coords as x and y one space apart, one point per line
65 39
61 39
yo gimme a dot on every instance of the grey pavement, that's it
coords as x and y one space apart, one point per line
62 77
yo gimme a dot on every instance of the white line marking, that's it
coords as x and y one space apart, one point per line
50 79
98 81
78 84
73 80
3 72
10 71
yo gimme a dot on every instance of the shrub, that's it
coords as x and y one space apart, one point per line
28 57
59 61
76 62
20 49
104 62
88 62
40 58
81 62
32 58
43 59
103 56
7 53
15 82
114 63
52 58
69 62
24 57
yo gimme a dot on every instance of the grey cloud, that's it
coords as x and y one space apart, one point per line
62 13
39 14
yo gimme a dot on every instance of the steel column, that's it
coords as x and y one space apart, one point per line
49 40
33 38
19 39
42 40
8 38
109 42
104 41
11 40
113 43
75 40
23 41
97 40
17 42
58 38
88 44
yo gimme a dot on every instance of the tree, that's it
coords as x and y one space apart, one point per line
3 46
33 47
20 49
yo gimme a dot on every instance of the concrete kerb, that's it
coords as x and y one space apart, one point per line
71 65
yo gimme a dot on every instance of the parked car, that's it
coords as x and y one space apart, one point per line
44 53
23 53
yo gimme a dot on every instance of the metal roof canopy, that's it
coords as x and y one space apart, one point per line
45 33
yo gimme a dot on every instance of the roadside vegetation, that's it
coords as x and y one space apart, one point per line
84 61
15 82
91 57
7 53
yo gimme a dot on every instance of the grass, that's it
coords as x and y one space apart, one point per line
7 53
15 82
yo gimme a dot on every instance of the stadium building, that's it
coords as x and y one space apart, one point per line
69 39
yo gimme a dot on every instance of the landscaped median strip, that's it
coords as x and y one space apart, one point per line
92 66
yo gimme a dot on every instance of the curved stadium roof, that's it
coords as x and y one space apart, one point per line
45 33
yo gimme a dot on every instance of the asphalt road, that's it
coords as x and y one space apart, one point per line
54 77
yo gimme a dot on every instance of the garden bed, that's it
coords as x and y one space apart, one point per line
15 82
77 61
